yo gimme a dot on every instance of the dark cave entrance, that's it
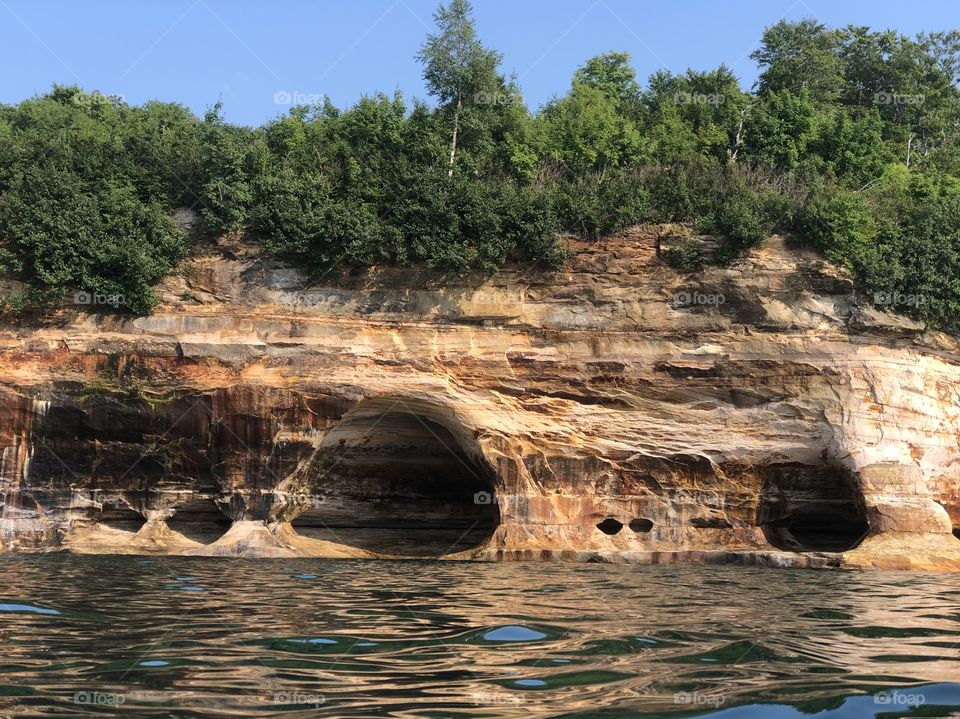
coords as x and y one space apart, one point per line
121 518
812 509
394 481
199 520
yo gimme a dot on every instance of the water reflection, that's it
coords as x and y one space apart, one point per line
196 637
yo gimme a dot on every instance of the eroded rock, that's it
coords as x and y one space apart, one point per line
614 411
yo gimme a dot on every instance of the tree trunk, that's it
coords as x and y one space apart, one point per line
738 140
453 143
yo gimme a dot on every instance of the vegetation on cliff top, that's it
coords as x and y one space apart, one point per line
851 139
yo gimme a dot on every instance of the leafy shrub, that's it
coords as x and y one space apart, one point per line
683 252
843 227
596 205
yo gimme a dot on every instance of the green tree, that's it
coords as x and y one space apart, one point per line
456 66
585 133
801 56
612 74
779 128
697 113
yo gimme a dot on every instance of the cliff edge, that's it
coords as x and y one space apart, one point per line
616 410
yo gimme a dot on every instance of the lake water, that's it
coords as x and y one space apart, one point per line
178 637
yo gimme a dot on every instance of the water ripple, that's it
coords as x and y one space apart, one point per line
201 637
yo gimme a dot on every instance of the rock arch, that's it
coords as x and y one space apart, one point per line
399 477
119 517
199 520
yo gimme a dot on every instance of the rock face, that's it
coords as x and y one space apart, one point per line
617 410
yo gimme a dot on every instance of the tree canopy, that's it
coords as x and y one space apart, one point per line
850 139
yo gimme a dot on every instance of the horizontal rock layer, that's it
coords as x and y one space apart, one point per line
617 410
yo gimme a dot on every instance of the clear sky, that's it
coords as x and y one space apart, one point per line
254 55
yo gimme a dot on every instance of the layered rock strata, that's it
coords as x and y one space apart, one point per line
616 410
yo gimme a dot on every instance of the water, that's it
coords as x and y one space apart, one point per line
178 637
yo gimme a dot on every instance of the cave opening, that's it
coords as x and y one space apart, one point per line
121 518
394 481
199 520
641 525
812 509
610 526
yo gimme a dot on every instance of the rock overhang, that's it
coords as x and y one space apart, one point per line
588 395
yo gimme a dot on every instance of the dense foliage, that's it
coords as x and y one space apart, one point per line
851 139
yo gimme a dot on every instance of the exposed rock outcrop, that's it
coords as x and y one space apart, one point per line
617 410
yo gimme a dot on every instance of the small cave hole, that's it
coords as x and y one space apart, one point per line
610 526
121 518
812 509
641 525
199 520
956 532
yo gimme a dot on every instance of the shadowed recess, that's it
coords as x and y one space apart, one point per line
397 482
121 518
812 509
199 520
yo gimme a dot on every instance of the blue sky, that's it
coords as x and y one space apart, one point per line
256 55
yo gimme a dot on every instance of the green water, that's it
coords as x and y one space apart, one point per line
177 637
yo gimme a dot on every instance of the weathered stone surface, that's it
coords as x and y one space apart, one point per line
758 413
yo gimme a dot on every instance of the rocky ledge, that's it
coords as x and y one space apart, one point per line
617 410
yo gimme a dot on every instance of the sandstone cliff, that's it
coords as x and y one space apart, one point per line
616 410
